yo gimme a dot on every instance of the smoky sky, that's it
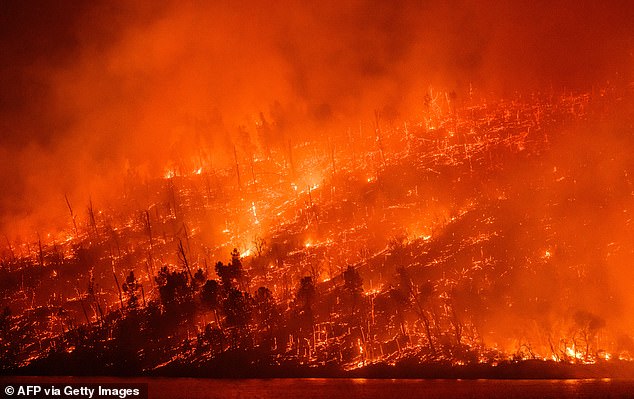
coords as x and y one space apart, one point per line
90 89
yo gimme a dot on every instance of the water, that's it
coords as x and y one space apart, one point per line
196 388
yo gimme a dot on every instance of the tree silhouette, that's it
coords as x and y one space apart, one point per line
214 337
211 296
130 289
5 316
173 287
306 293
230 275
304 303
126 343
417 296
265 311
588 325
353 287
237 308
7 341
199 279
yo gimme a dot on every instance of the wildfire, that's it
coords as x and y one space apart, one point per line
246 253
434 256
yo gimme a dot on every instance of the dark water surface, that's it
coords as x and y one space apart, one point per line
317 388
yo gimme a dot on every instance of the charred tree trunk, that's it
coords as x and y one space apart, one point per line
72 215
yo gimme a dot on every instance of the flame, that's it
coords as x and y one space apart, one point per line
255 215
462 261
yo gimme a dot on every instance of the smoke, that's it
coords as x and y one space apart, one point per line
92 91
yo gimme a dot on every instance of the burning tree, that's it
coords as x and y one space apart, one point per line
462 235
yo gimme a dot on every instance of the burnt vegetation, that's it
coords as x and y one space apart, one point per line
481 234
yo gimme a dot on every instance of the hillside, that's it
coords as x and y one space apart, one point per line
485 233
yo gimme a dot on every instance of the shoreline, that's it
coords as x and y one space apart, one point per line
522 370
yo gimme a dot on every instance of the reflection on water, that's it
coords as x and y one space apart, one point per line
196 388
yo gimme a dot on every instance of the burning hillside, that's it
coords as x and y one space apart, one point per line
316 187
483 233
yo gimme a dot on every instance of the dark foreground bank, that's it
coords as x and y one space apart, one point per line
242 365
